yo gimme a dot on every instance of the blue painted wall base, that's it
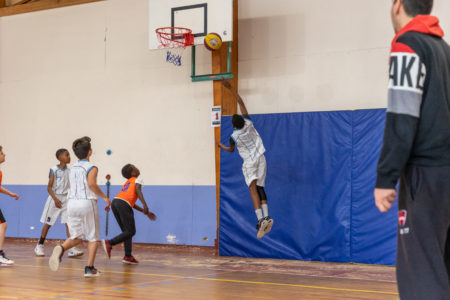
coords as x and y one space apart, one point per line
187 213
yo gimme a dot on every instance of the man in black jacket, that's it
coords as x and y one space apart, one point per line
416 149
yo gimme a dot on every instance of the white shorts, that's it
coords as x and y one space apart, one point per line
83 220
51 212
255 170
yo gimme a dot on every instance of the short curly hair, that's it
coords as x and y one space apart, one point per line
126 171
238 121
60 151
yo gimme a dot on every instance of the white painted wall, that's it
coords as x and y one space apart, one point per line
86 70
298 55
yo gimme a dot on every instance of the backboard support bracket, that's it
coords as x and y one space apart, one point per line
211 77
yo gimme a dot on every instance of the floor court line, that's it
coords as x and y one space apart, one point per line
101 291
300 285
68 294
238 281
233 271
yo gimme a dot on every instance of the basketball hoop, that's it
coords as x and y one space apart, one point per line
175 40
175 37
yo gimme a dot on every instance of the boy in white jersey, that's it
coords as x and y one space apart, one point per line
251 149
56 205
82 208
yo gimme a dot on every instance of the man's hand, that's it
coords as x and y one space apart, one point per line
15 196
384 199
58 203
151 216
226 84
219 144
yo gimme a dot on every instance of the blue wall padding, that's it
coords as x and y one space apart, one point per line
320 180
373 234
186 212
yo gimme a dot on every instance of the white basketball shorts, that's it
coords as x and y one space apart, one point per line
255 170
83 219
51 212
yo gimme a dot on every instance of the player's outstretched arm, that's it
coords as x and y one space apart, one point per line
6 192
236 95
141 197
92 183
52 194
149 214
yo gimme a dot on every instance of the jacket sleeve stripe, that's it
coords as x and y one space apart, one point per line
404 102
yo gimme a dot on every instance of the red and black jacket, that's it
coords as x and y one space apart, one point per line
417 128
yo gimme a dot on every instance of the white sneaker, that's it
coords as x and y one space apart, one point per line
39 250
75 252
261 227
55 259
5 262
269 224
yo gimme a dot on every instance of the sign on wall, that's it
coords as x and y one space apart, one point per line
216 116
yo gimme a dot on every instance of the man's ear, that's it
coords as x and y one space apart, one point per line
398 4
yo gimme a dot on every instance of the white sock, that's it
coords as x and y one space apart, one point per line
265 209
259 214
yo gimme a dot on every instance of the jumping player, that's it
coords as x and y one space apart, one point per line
56 205
251 149
82 208
4 261
122 206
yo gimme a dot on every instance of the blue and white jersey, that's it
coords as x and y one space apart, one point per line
248 142
61 183
79 189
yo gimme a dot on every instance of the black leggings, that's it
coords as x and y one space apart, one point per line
125 218
2 218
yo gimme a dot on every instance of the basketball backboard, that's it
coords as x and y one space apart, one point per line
201 16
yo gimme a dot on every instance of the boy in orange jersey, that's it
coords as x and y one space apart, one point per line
4 261
122 207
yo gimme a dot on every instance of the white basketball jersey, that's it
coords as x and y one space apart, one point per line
79 189
248 142
61 183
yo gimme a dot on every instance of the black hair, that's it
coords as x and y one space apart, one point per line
81 147
126 171
238 121
417 7
60 151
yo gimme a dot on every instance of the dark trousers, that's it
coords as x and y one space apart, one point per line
423 250
125 218
2 218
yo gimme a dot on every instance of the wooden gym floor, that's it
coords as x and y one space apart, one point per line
177 272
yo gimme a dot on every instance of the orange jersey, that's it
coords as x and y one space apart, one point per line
128 192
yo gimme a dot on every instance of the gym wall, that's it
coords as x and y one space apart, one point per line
86 70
